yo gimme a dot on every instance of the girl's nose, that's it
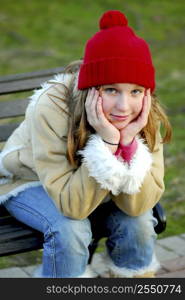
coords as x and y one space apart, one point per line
123 102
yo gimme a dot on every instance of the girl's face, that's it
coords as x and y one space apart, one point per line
122 102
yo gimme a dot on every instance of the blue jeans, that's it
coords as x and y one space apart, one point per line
130 240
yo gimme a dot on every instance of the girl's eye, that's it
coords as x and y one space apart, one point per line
136 92
110 90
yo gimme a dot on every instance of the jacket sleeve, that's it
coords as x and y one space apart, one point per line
75 193
151 189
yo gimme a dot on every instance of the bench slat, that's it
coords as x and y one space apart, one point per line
26 81
7 220
6 130
10 221
14 234
16 237
21 245
3 211
22 85
29 75
15 108
5 229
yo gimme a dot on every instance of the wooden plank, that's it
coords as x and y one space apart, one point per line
6 130
15 108
21 85
11 222
28 75
22 245
3 211
5 229
14 234
6 220
16 237
26 81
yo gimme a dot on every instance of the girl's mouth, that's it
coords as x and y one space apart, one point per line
117 117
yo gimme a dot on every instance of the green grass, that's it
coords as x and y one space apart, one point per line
42 34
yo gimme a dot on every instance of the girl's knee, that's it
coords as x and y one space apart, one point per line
72 231
141 227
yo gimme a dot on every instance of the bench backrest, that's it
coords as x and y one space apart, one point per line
16 237
11 86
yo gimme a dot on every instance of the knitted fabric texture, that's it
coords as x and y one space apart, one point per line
115 54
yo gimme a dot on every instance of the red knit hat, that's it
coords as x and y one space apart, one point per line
115 54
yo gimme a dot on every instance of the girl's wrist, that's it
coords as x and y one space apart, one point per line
113 146
111 143
126 142
112 149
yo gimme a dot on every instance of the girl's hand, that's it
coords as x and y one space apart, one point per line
128 133
98 121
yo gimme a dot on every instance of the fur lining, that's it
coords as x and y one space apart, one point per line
137 169
59 78
112 174
102 165
3 153
17 190
89 273
37 273
5 180
104 267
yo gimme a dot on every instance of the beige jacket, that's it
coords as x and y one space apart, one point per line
35 154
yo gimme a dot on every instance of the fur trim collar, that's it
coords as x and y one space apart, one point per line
59 78
112 174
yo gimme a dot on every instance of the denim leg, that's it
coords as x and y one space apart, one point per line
66 241
131 240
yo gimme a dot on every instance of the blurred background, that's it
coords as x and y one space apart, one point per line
41 34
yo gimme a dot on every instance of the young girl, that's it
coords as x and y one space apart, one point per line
90 143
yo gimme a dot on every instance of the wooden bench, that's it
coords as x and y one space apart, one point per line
16 237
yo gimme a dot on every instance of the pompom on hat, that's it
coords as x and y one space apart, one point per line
115 54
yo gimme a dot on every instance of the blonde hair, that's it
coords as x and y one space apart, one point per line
79 128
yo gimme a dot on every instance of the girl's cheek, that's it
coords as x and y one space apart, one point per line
138 108
105 104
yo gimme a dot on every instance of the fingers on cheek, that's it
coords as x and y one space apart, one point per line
147 92
100 106
89 95
149 100
87 102
99 100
